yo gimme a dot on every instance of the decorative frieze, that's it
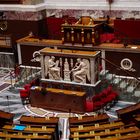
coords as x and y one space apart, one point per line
70 66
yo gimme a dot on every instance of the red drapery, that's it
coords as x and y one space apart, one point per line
129 29
53 25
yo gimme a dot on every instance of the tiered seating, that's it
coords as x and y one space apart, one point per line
102 132
96 127
30 131
130 112
116 130
105 98
5 117
51 122
89 119
7 132
137 120
29 128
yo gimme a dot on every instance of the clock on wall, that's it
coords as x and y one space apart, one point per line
3 22
3 25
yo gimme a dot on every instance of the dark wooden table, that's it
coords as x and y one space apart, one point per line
59 99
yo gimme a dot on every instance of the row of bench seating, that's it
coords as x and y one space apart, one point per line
104 131
82 128
96 127
30 127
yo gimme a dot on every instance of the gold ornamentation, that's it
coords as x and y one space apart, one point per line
3 25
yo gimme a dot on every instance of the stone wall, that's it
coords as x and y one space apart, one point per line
93 13
32 9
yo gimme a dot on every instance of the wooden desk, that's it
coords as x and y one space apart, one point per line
58 99
99 127
89 119
68 52
41 121
23 136
129 111
132 130
137 121
83 34
134 136
30 128
130 137
6 117
38 120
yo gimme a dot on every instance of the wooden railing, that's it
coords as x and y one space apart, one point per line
129 111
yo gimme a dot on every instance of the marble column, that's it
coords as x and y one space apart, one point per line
19 54
103 61
92 70
43 66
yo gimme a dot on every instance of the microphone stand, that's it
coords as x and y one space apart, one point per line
7 97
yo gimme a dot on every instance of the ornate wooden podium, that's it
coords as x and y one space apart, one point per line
69 67
66 67
83 32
